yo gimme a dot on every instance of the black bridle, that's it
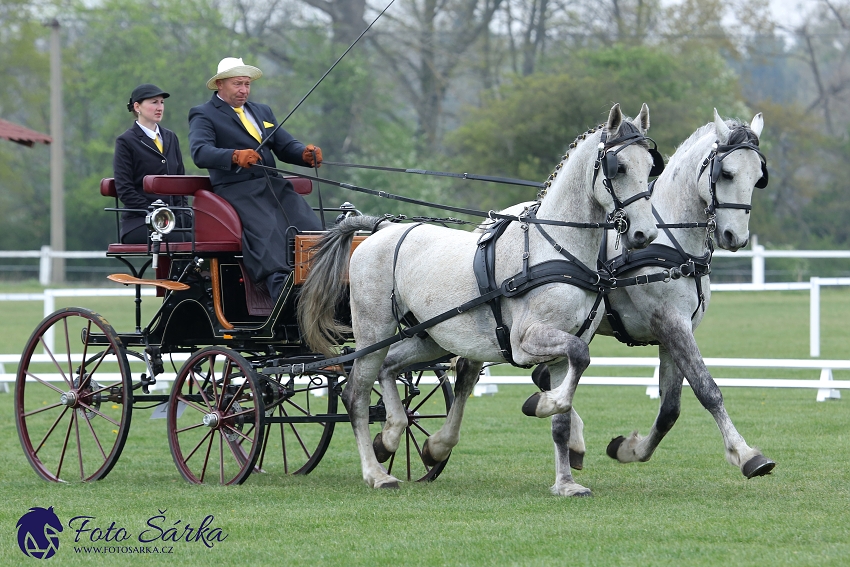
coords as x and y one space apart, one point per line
607 162
714 163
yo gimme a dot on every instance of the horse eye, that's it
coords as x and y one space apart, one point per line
621 168
726 175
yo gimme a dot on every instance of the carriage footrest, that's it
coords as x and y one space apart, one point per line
127 279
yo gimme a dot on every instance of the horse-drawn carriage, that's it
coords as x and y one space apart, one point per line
229 412
260 378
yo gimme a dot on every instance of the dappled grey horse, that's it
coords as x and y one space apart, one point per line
704 193
392 282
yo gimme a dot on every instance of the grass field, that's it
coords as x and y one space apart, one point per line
491 506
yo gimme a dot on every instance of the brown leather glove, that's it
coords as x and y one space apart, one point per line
307 156
245 158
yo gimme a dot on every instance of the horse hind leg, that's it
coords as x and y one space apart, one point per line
400 356
683 348
356 397
438 446
576 449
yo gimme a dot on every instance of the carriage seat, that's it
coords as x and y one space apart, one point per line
218 228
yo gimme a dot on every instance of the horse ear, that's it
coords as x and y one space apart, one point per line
721 127
615 119
757 125
642 120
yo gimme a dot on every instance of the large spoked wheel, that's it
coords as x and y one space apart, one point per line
427 396
73 397
215 418
294 425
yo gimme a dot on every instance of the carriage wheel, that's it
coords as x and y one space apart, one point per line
215 417
294 429
73 397
427 401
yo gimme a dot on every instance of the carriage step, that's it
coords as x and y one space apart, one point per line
127 279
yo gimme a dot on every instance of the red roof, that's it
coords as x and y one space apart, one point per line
21 135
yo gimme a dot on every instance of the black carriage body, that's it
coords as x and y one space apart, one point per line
230 389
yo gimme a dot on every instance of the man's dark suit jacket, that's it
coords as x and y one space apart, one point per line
266 203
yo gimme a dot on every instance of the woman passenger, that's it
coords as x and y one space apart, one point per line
146 148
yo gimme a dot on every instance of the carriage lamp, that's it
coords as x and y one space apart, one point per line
160 221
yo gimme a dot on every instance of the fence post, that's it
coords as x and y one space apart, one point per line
758 261
814 317
44 266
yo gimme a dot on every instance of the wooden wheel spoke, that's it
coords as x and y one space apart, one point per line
237 432
189 428
96 440
207 456
193 405
201 391
76 418
84 382
45 408
65 445
236 395
45 382
98 413
201 442
58 367
49 431
220 458
68 346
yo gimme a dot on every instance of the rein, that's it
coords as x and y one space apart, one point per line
472 212
464 176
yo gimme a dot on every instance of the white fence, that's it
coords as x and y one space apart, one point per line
756 252
827 387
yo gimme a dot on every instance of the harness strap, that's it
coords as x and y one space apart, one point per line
397 315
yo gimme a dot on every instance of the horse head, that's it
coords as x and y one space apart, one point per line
624 162
733 169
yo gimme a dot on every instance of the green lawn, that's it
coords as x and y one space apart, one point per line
491 506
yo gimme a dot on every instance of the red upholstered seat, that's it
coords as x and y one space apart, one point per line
217 226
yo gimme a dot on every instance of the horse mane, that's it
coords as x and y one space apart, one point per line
740 133
627 128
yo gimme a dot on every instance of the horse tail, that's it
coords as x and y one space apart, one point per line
326 285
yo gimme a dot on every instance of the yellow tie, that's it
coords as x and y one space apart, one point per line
247 124
157 142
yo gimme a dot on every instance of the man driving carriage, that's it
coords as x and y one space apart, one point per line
222 134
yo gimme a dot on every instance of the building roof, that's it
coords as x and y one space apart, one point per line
21 135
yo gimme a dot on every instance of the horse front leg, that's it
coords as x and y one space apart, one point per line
571 454
636 448
564 426
683 348
541 341
438 446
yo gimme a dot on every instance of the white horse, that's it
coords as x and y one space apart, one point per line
392 279
709 181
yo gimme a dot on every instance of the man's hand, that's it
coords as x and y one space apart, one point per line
245 158
307 156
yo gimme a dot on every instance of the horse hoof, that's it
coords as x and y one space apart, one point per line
390 485
757 466
614 446
381 452
530 406
576 460
427 458
541 377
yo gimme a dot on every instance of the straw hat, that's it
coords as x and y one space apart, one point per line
233 67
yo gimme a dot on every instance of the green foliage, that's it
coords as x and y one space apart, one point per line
522 129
